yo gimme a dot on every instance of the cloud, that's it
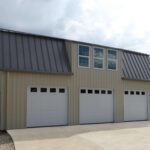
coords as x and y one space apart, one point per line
118 23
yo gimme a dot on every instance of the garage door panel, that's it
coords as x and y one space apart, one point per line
96 108
135 106
46 109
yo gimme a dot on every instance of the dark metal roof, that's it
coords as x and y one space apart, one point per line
56 38
22 52
136 66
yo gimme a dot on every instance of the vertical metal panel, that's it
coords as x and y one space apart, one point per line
6 50
33 54
144 67
2 100
13 52
23 52
39 54
45 56
56 55
20 52
50 52
26 53
136 66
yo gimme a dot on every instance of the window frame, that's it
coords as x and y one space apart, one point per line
113 60
83 56
99 58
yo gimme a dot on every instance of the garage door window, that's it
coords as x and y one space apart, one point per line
33 90
52 90
143 93
90 91
132 93
137 93
61 90
96 91
83 91
109 92
43 90
103 92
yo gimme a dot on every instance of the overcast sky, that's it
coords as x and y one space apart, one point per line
117 23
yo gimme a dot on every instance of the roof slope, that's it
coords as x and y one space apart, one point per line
136 66
21 52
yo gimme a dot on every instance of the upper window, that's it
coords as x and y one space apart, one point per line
98 58
83 56
112 59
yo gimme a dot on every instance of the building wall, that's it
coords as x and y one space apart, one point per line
3 87
17 83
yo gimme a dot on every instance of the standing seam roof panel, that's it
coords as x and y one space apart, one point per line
129 69
140 58
22 52
50 54
39 54
137 65
45 55
6 50
13 52
26 53
124 70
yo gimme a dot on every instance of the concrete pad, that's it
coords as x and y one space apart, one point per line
117 136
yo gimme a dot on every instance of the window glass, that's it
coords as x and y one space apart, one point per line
137 93
98 52
103 92
98 63
109 92
83 50
98 57
53 90
112 54
126 92
143 93
33 89
96 91
90 91
112 65
83 91
61 90
132 92
83 56
83 61
43 90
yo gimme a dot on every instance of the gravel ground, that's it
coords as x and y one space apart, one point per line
6 142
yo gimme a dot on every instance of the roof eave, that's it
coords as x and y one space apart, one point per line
40 72
124 78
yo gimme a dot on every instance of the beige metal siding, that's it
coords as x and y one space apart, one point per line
17 84
3 98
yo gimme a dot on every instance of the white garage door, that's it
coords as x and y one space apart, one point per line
96 106
46 106
135 105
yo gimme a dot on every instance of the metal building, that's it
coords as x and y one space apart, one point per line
46 81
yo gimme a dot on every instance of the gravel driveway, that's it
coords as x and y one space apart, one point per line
6 142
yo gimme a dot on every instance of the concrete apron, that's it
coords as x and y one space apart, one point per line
116 136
